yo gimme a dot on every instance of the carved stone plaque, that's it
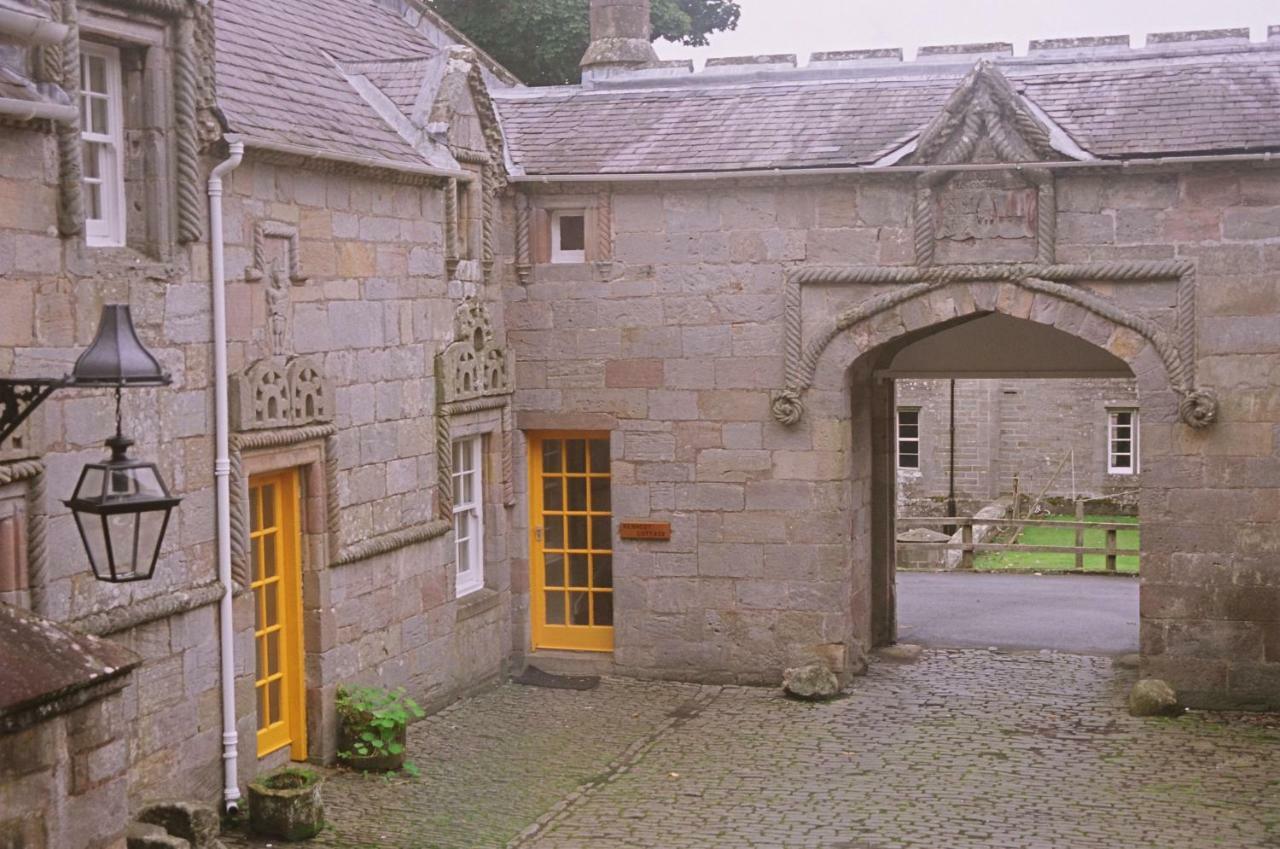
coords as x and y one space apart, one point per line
986 218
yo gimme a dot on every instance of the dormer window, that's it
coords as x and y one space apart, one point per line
569 235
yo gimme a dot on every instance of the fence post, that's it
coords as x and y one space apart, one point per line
1079 535
966 537
1111 549
1017 495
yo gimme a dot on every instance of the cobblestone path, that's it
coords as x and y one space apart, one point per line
962 749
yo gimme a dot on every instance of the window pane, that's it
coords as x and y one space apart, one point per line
577 493
602 569
600 456
98 116
273 701
577 531
552 493
555 607
551 455
92 160
579 608
1124 418
93 201
269 555
95 74
262 706
554 530
553 568
269 506
573 233
600 502
909 431
601 533
254 523
255 559
604 608
577 570
908 417
271 603
576 449
273 653
260 668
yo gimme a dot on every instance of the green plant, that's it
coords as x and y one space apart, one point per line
375 720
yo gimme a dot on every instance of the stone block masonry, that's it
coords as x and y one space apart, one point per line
679 349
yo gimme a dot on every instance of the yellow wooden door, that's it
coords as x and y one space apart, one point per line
275 548
572 541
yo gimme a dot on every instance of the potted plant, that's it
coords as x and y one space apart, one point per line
372 726
286 804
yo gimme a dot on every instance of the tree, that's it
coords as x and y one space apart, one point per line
542 41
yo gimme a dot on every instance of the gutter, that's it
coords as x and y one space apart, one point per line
31 29
313 153
26 110
222 478
692 176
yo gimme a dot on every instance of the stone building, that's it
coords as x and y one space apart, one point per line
473 328
1056 439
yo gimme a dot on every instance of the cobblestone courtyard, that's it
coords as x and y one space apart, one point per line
962 749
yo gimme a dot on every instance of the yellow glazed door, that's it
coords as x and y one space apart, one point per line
275 545
572 543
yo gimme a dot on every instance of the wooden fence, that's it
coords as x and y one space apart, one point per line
967 546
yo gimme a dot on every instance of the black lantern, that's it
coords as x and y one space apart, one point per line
121 506
122 510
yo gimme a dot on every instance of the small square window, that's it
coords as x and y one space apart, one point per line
569 236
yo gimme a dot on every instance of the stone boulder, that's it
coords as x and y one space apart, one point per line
143 835
815 682
1153 697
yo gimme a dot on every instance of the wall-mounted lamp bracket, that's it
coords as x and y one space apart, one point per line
19 398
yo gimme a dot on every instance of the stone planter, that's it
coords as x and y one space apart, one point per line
286 804
349 732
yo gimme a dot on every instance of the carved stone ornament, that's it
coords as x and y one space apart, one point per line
275 393
1176 349
474 365
265 230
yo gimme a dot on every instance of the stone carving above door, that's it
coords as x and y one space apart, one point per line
278 392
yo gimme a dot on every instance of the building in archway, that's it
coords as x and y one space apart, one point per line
474 329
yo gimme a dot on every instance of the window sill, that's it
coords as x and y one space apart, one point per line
477 602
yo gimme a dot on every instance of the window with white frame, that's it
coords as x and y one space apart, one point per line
908 438
102 133
569 235
468 513
1122 442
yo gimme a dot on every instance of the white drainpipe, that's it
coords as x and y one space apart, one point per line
222 477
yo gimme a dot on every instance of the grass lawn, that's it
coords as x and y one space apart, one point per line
1045 562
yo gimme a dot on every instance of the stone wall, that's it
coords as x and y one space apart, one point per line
63 783
374 309
1014 427
677 344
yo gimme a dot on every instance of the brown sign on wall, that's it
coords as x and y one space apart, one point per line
660 531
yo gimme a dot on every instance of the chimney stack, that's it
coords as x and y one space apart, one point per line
619 38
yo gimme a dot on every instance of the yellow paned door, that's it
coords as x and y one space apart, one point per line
572 546
275 549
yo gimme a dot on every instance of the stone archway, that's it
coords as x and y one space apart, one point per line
834 376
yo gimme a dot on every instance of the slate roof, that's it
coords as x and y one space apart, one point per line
1135 103
278 82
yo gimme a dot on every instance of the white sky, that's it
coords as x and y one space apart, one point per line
807 26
